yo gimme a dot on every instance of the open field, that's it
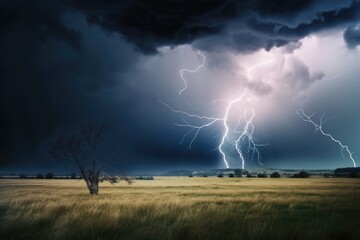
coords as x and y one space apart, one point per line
182 208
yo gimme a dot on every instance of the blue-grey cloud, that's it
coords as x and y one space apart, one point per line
352 36
249 25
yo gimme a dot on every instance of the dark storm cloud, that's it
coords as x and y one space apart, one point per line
57 70
150 24
248 25
352 36
323 21
41 18
53 67
65 61
250 42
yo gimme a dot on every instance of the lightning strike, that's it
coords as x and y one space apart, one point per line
319 128
225 136
193 127
226 133
181 71
246 134
243 136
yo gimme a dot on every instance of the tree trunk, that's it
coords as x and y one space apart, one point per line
92 181
93 186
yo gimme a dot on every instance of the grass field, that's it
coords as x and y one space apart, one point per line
182 208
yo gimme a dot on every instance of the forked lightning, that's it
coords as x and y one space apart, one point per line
319 128
237 137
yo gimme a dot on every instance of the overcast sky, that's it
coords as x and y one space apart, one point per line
64 62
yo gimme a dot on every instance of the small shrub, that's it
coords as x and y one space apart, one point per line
238 171
49 175
22 176
190 175
354 175
39 176
220 175
262 175
275 175
231 175
205 176
301 174
144 178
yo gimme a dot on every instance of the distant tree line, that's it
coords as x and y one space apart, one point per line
144 178
347 172
301 174
341 172
48 175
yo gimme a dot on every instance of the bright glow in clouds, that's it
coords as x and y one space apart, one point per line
238 92
245 135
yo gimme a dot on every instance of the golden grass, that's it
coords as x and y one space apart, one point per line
182 208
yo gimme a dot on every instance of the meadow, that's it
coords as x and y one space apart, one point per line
182 208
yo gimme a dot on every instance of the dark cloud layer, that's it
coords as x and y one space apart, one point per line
324 20
252 24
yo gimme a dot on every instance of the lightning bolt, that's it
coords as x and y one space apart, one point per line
247 135
244 135
225 136
181 71
196 128
193 127
319 127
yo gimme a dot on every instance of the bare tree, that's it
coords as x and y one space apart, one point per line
81 146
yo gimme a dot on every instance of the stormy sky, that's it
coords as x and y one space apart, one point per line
64 62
